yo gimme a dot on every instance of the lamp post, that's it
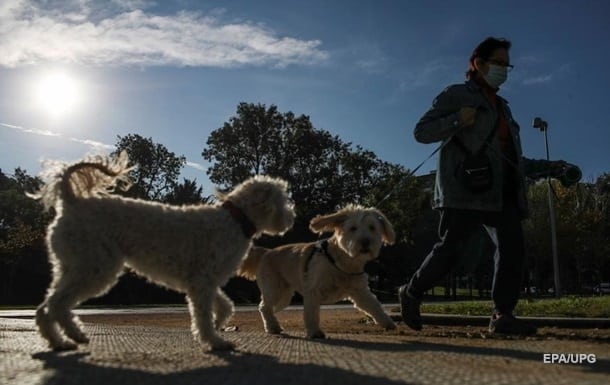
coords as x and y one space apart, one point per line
543 126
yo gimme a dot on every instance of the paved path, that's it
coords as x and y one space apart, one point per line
155 355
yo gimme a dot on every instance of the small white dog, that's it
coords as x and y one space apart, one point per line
322 272
191 249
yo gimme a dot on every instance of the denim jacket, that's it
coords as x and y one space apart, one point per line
442 123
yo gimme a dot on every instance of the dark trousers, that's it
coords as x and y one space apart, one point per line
456 226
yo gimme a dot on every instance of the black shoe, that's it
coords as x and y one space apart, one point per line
409 309
508 324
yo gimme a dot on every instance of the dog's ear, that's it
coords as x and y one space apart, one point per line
389 237
327 223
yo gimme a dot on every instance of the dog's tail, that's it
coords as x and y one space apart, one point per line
250 263
95 175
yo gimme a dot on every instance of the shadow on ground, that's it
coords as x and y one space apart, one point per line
240 368
600 366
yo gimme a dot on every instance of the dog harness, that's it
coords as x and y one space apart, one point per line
247 227
322 248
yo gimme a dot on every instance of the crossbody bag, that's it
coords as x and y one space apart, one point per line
475 171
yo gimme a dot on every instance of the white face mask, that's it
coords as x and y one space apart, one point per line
496 76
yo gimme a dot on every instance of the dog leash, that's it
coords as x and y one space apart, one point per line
512 164
412 172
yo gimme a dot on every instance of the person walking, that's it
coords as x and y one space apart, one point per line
480 180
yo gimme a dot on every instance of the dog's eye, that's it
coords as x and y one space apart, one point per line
372 228
353 229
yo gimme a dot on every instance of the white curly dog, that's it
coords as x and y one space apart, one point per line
192 249
322 272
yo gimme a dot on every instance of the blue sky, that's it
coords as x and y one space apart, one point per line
363 70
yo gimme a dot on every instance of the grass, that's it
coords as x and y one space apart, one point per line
571 306
588 307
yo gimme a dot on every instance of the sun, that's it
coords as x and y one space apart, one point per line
57 93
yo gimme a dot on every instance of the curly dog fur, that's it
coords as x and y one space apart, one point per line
322 276
192 249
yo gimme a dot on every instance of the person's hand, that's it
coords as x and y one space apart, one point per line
467 115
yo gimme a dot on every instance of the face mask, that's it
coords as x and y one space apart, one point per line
496 76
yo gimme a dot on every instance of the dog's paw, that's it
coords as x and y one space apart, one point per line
220 325
83 340
222 345
389 326
274 330
318 334
80 338
64 346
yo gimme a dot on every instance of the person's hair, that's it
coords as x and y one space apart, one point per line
484 51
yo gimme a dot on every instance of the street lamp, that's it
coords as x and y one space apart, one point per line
543 126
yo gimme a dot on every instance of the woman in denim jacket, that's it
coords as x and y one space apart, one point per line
471 119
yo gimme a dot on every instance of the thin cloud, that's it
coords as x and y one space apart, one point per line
559 72
531 75
88 142
196 166
93 144
431 73
34 131
538 79
368 57
84 32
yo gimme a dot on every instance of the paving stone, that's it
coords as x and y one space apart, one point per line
158 355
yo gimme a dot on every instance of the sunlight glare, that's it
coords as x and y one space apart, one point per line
57 93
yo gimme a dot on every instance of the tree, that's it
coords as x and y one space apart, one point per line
323 173
242 147
589 216
187 192
394 190
157 169
260 140
16 208
310 160
537 237
582 234
22 231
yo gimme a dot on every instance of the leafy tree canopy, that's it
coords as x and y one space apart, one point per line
323 172
157 171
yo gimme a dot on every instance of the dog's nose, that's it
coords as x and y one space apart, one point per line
366 243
